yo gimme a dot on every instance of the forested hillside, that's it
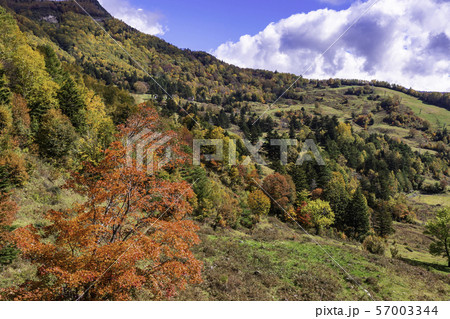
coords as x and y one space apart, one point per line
78 223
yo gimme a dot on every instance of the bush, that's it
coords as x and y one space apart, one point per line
247 219
374 245
394 251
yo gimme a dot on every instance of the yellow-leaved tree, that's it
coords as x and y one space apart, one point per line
259 203
98 131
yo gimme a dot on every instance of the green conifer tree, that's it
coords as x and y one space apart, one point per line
71 101
357 216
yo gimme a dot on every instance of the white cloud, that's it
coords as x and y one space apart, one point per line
403 41
143 20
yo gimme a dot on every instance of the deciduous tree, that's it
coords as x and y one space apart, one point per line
131 233
8 209
439 228
320 212
281 191
259 203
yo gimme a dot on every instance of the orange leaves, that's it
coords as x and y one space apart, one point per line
281 191
129 234
8 210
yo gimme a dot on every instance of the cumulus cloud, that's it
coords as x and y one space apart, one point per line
403 41
143 20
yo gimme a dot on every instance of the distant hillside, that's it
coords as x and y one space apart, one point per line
180 72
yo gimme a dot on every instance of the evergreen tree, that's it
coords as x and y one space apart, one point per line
56 135
357 216
298 175
52 63
171 107
382 222
71 102
339 198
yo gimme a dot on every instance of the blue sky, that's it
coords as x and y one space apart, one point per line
205 24
405 42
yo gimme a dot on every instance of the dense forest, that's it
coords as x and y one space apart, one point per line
70 206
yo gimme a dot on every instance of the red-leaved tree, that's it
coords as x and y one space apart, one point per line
130 233
281 191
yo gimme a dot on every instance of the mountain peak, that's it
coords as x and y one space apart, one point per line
51 10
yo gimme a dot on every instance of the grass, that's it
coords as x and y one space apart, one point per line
275 262
413 246
42 193
331 104
437 116
433 200
141 98
39 195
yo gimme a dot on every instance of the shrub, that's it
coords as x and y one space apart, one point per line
21 119
302 216
282 192
247 219
394 251
8 209
374 245
7 254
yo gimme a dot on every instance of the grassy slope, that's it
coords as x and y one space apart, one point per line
275 262
239 266
272 261
437 116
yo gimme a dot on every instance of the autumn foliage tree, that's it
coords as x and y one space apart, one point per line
302 216
259 203
131 233
8 209
282 192
314 213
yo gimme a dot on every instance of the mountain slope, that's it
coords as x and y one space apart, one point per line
180 72
65 86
